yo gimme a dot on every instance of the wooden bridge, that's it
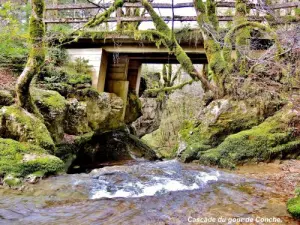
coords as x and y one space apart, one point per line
117 59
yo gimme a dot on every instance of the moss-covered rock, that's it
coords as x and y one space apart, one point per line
92 111
220 119
76 79
63 89
293 207
22 159
76 121
273 139
98 110
16 123
11 180
85 94
35 177
133 108
103 119
53 108
6 98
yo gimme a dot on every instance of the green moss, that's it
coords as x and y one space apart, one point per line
212 13
293 207
12 181
75 79
100 18
47 164
6 98
50 99
53 107
37 32
12 159
270 140
85 94
25 127
215 127
160 25
184 60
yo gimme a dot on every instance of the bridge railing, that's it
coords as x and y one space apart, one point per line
81 13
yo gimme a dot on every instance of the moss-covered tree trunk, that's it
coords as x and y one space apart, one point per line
166 34
209 25
36 56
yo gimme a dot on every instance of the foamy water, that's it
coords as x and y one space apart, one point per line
148 179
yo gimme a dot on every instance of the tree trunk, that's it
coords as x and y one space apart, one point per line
36 56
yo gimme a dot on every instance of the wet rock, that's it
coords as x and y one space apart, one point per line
34 177
103 118
12 181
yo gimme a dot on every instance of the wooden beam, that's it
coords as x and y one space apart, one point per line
145 19
286 5
165 5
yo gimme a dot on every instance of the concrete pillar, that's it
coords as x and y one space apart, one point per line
101 79
134 75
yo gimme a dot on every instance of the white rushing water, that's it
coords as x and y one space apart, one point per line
148 179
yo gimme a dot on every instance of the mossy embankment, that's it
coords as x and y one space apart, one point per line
233 134
18 160
73 120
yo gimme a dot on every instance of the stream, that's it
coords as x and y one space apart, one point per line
142 192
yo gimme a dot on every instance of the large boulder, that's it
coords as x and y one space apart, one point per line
53 108
276 138
152 111
22 159
90 110
95 150
219 119
76 121
114 120
133 108
98 110
104 110
18 124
